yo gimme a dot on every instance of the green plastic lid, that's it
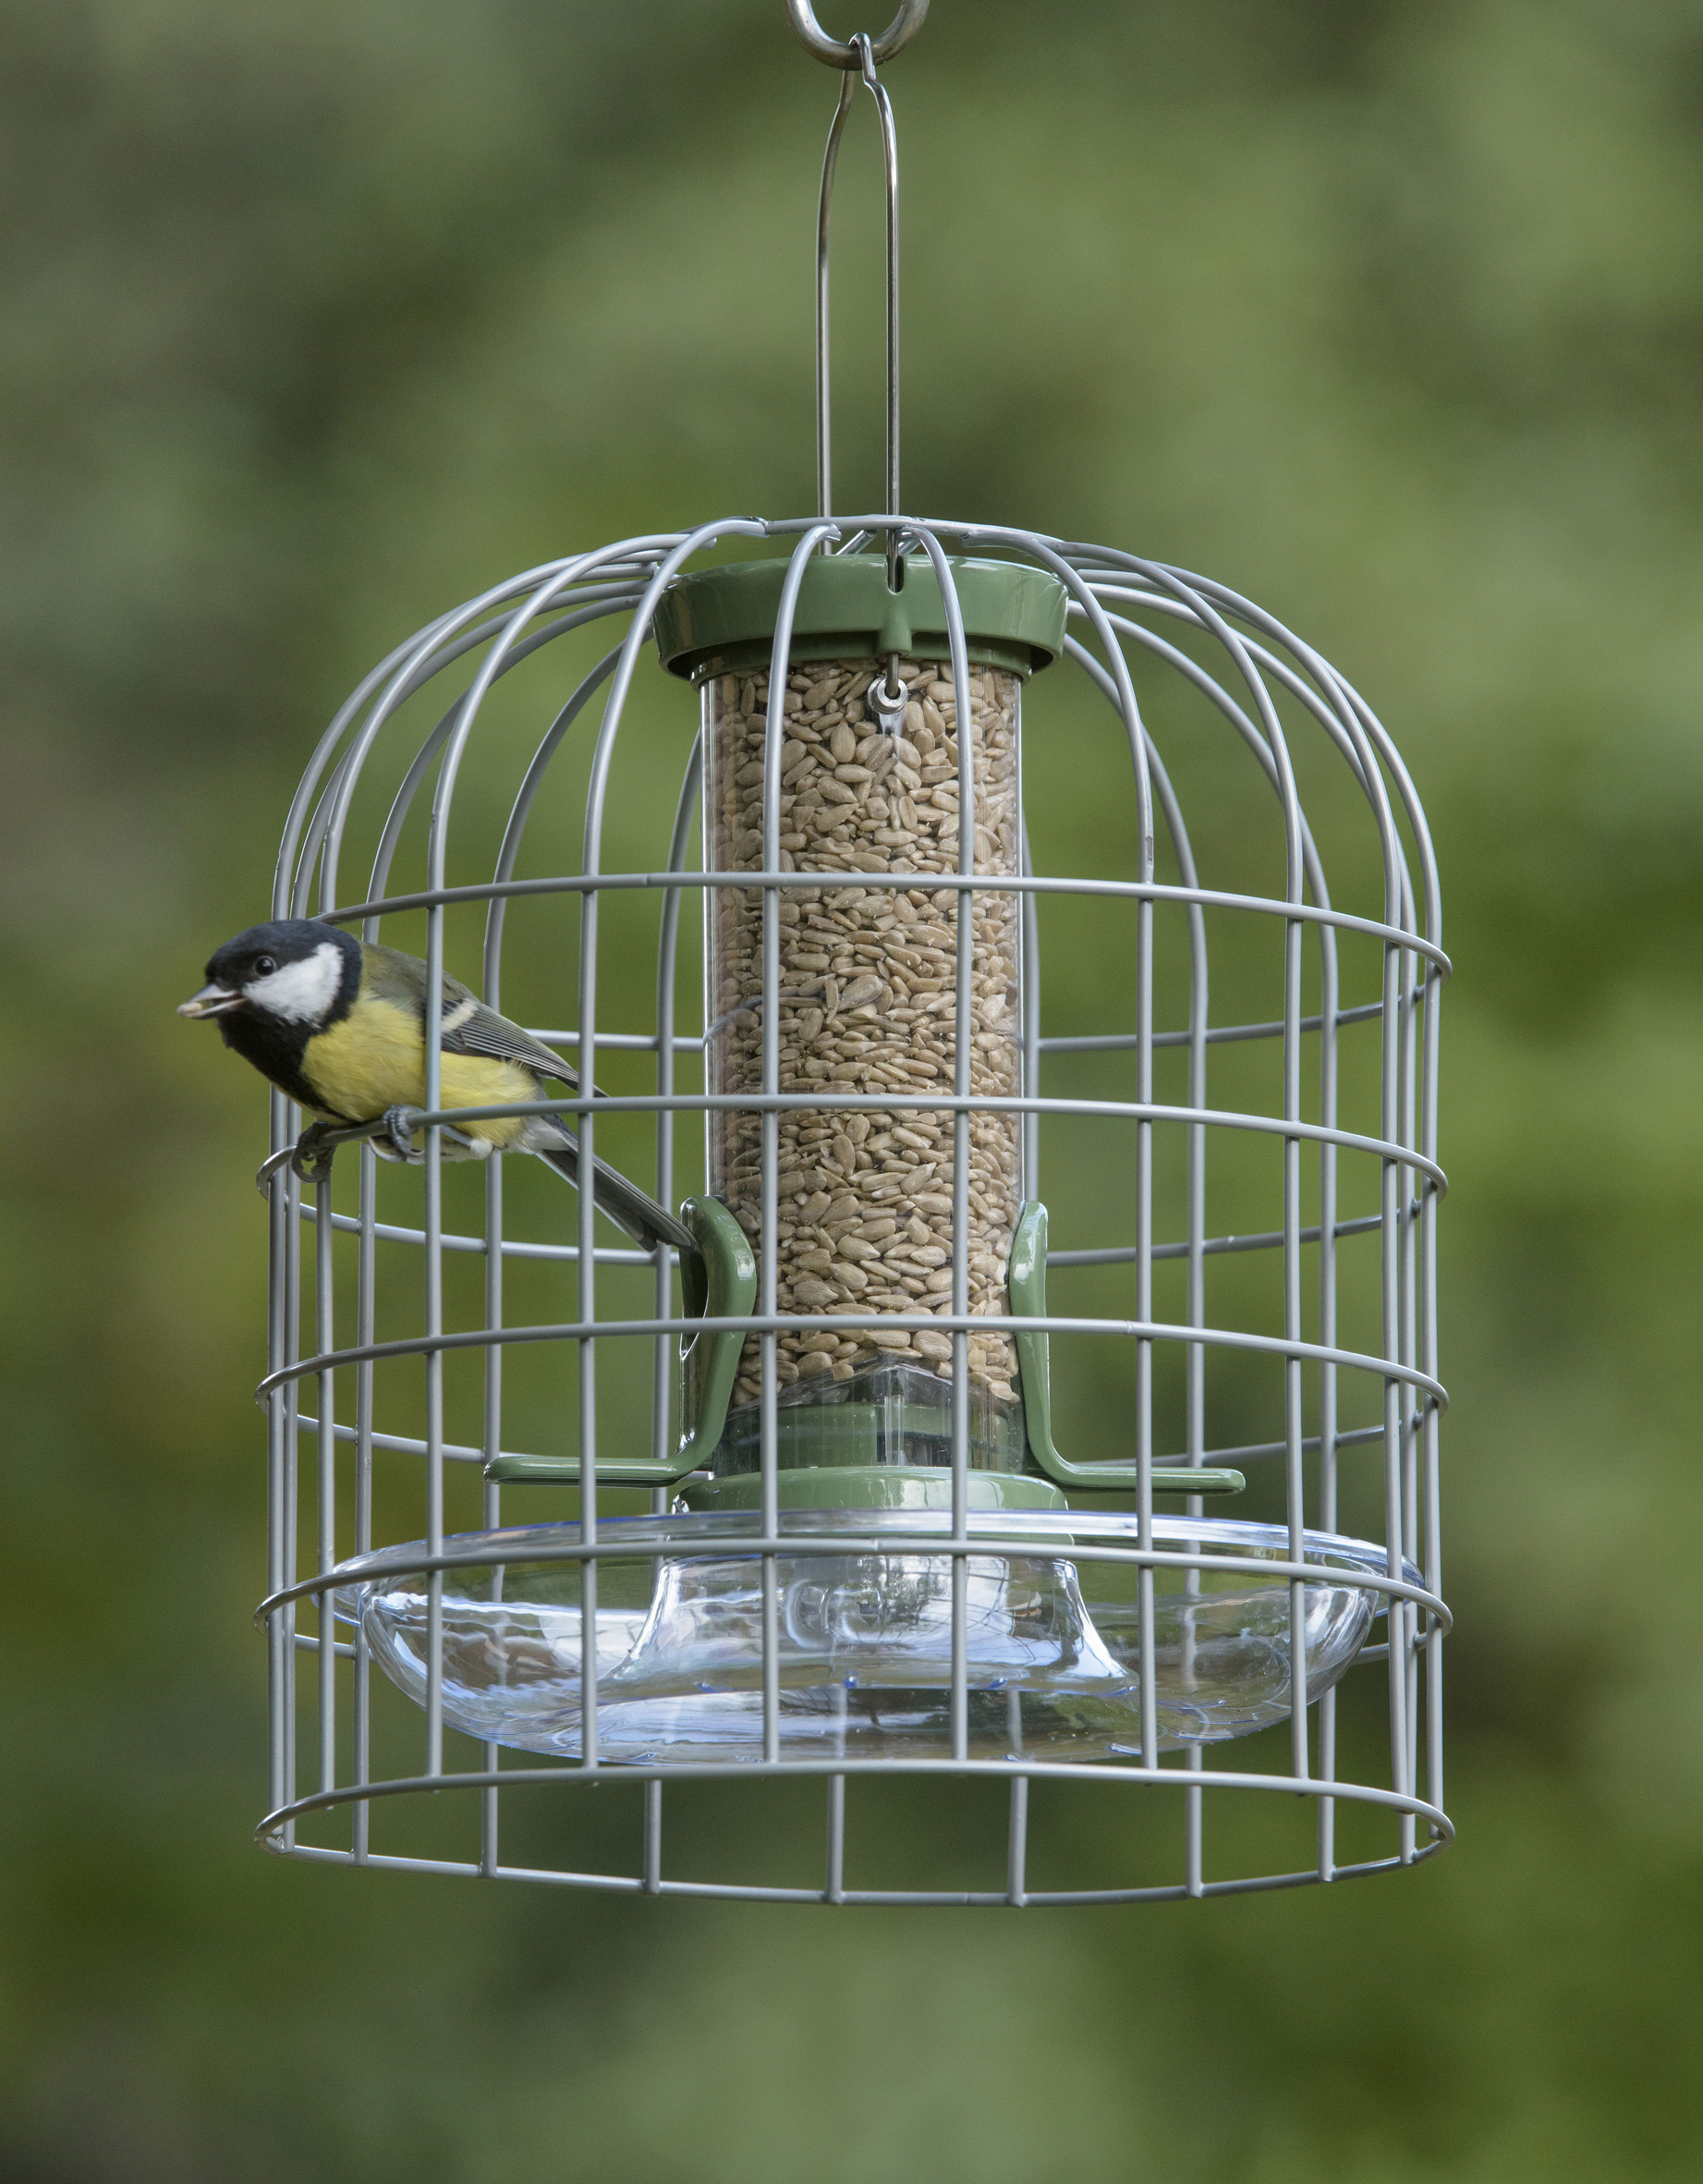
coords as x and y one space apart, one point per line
720 621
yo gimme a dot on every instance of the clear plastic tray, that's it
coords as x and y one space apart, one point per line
1052 1613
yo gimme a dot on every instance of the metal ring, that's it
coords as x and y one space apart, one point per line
837 54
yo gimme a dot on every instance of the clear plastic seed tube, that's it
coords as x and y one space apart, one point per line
868 995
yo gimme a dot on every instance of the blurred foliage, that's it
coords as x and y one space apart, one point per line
322 317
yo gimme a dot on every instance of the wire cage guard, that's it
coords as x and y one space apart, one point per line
1050 1640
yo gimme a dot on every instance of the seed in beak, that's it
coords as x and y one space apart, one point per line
210 1001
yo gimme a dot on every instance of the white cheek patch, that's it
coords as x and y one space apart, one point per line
300 993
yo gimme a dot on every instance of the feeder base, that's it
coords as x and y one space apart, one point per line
873 1486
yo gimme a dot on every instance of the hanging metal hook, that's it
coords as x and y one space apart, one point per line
861 69
899 33
824 207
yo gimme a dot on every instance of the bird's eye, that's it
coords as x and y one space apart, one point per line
263 966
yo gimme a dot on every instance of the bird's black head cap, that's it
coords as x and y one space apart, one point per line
263 949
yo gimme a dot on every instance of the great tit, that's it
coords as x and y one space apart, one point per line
339 1025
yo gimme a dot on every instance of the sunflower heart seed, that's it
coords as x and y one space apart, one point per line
867 1006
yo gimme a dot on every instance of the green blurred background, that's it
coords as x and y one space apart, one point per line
321 318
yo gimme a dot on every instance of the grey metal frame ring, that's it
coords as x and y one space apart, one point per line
1305 1133
624 1885
717 1771
837 53
1261 1240
1276 1345
308 1425
1156 891
875 1542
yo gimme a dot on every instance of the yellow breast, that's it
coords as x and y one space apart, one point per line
376 1059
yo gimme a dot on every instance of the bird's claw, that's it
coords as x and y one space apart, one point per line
398 1126
311 1155
309 1158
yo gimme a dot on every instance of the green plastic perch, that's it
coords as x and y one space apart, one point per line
720 1282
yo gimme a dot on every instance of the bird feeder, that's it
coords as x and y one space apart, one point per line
866 1544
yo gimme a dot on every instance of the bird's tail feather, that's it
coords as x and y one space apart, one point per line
632 1210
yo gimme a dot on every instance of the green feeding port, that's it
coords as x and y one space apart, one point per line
881 1437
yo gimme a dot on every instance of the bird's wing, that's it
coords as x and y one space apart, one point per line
470 1028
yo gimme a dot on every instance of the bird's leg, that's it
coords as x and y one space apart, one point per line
399 1124
311 1155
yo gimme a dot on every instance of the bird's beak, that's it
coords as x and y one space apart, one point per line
211 1001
